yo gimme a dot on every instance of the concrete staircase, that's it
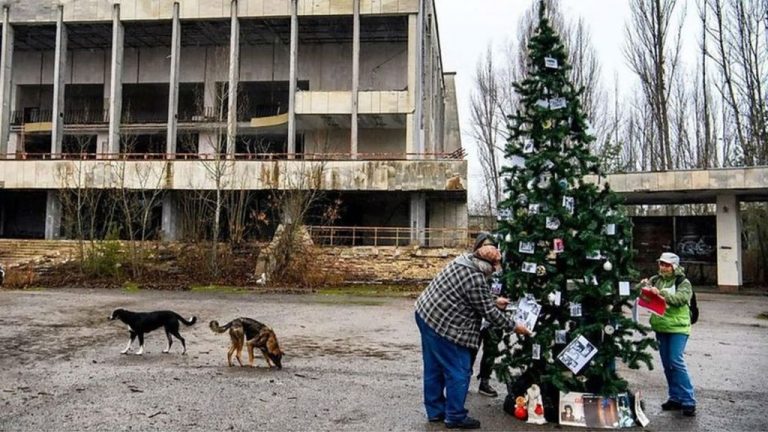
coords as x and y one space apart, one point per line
15 252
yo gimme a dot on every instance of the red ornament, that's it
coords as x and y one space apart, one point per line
520 411
538 410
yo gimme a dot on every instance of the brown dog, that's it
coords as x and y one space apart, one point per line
255 335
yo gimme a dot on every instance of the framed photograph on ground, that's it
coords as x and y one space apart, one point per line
572 409
594 411
601 412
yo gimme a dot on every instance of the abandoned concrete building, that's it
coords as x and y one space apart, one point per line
164 100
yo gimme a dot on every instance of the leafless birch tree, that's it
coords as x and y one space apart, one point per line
653 53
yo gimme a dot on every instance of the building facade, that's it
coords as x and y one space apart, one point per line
168 99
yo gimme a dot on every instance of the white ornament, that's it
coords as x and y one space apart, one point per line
607 266
508 238
608 329
533 400
551 298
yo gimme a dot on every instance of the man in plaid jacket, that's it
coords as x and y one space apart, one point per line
449 313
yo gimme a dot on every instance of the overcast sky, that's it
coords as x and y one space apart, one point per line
468 27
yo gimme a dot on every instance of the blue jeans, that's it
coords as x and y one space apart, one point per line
447 372
671 350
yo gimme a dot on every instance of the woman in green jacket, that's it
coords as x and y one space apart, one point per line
672 331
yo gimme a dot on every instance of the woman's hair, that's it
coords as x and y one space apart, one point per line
484 266
567 407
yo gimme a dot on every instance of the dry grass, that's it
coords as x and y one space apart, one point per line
19 278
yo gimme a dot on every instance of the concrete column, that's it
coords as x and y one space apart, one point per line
173 84
418 117
411 123
102 142
209 81
170 218
234 66
59 72
52 216
13 145
353 148
116 81
6 74
729 263
292 73
418 218
206 144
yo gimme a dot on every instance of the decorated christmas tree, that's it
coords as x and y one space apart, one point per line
566 242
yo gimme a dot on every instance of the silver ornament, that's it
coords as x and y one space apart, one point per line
607 266
608 329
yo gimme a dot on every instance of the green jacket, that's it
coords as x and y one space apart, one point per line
677 318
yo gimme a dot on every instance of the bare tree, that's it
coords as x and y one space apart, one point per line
653 53
80 198
487 123
139 187
298 194
741 59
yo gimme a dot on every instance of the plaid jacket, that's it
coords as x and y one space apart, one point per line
455 302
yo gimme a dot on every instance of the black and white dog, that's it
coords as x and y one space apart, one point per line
144 322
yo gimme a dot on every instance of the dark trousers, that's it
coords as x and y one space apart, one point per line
489 343
446 375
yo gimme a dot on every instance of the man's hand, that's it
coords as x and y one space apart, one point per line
502 302
654 290
645 282
521 329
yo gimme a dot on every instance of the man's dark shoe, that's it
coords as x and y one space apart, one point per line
671 405
467 423
689 411
486 389
438 418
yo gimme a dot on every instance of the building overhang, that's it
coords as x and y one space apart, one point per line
373 175
689 186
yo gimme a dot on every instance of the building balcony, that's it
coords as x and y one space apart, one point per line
433 173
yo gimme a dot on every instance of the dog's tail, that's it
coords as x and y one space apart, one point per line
214 325
189 323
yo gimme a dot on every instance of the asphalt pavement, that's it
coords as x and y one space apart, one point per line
351 363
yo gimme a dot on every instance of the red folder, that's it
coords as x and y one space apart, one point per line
653 302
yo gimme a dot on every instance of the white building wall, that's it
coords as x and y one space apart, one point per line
262 63
328 67
330 141
381 141
383 66
146 65
100 10
30 67
319 64
192 63
88 66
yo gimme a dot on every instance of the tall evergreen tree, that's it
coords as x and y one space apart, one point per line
566 242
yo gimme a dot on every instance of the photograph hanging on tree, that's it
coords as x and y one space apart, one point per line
577 354
528 311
